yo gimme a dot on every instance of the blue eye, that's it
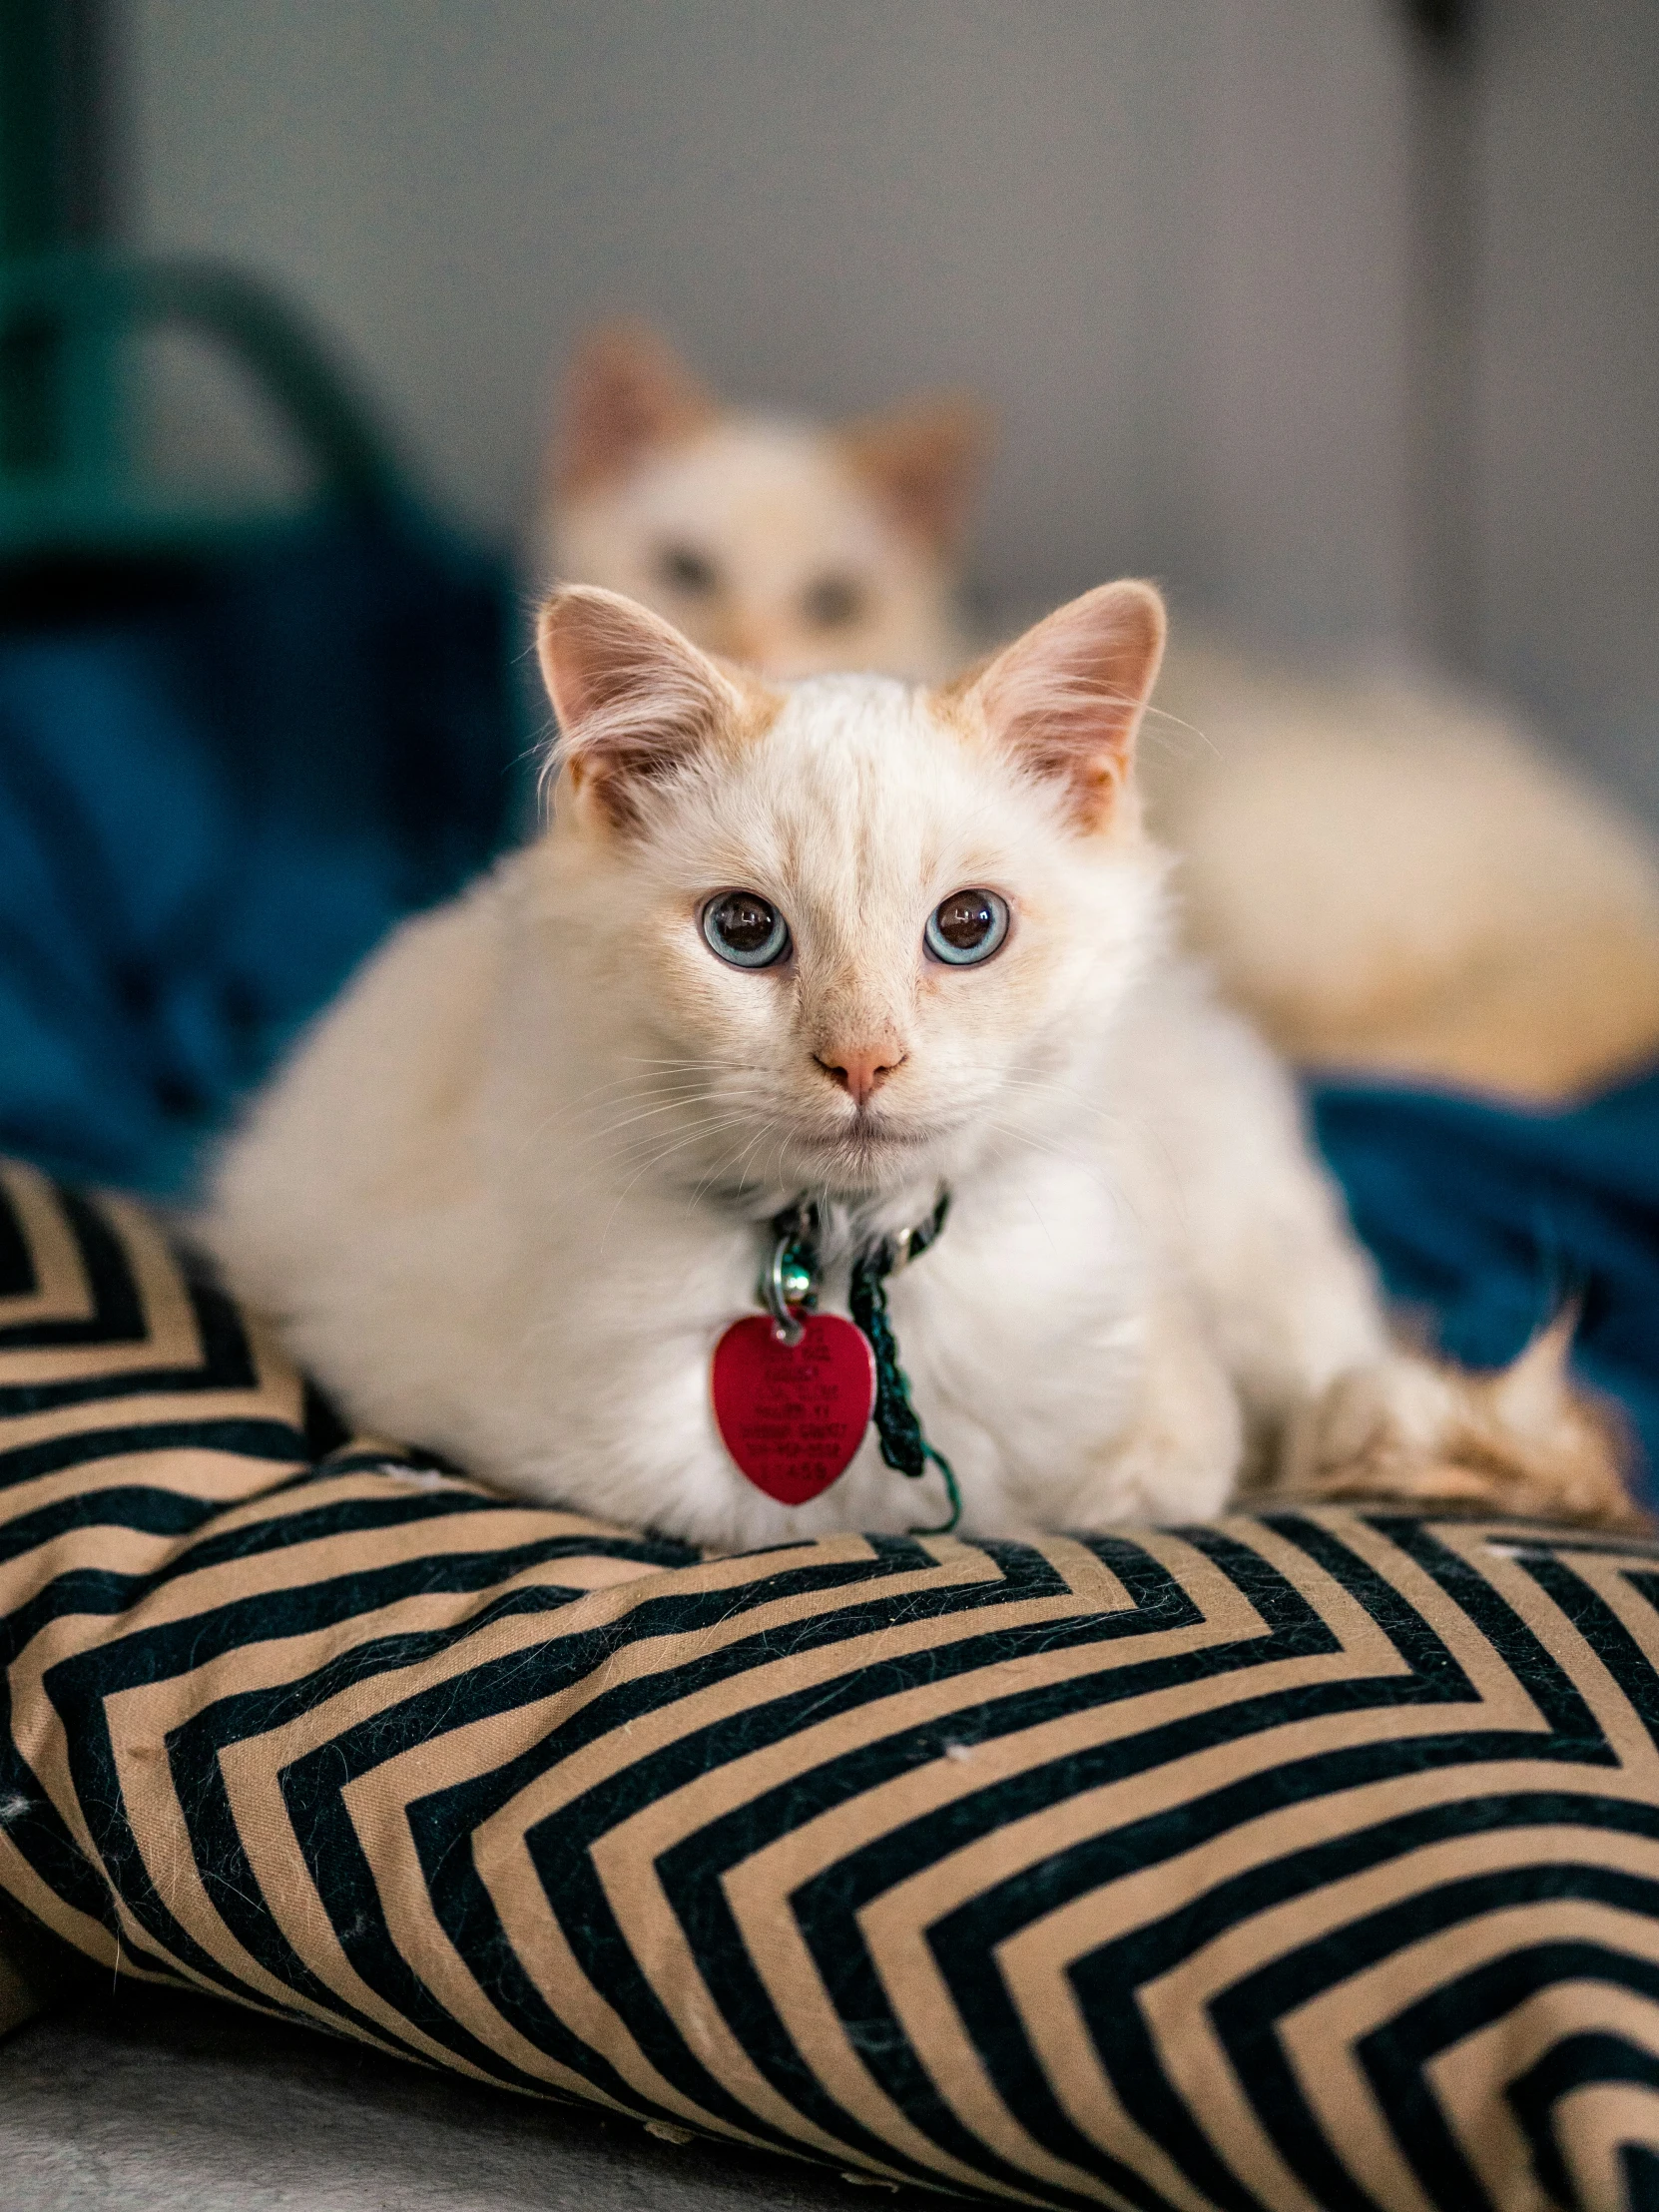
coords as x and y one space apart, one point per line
966 927
745 929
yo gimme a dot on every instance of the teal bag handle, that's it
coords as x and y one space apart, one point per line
68 483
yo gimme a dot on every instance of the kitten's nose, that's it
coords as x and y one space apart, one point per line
859 1073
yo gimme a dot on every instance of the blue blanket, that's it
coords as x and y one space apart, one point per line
220 782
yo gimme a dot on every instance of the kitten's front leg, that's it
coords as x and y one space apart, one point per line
1178 1458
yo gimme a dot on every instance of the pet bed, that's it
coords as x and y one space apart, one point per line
1305 1858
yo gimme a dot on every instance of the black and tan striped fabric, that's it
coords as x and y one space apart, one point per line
1307 1859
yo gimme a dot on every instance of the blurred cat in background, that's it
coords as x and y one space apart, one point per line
1383 871
794 547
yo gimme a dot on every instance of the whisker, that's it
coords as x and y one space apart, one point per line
722 1066
731 1163
643 1086
671 1106
657 1159
596 1101
630 1147
642 1142
1187 728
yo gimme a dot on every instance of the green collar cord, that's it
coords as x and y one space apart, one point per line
903 1447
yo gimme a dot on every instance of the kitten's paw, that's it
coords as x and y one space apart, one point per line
1523 1441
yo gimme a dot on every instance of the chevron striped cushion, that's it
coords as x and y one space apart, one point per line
1310 1857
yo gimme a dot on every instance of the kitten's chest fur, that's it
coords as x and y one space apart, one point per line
1018 1331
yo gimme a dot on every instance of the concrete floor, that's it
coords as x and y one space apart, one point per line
136 2103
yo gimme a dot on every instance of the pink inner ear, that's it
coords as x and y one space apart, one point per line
1067 697
634 699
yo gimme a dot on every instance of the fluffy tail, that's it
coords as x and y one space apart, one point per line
1526 1440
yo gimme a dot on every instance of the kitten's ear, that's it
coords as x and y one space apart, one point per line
634 699
626 393
924 461
1067 697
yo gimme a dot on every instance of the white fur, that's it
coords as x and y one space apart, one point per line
514 1187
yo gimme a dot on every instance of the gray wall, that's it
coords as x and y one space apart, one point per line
1171 239
1568 429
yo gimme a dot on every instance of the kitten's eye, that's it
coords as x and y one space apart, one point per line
966 927
687 570
832 602
746 929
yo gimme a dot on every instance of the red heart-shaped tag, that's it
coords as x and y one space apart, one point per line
792 1415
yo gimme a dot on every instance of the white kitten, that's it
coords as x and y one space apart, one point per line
515 1185
1383 873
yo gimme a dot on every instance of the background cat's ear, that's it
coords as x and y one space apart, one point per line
626 393
924 461
634 699
1067 697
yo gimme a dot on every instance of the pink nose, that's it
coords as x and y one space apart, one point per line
859 1073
